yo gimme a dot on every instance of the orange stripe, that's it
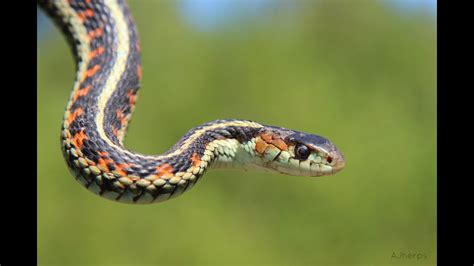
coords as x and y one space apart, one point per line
120 116
139 71
196 160
131 97
106 159
260 146
78 139
81 92
72 116
164 169
103 163
267 137
139 47
91 71
85 14
280 144
95 33
96 52
120 168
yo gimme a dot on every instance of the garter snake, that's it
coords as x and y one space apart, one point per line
105 45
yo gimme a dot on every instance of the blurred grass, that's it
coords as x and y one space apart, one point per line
358 74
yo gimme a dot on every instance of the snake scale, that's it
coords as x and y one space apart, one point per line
105 45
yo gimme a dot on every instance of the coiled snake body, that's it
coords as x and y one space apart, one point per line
104 40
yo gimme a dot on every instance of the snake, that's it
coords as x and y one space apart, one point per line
105 45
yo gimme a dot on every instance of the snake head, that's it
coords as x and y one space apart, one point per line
297 153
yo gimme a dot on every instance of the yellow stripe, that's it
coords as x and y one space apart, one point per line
82 49
120 62
123 50
200 132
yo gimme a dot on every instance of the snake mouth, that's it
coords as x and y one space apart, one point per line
337 160
315 169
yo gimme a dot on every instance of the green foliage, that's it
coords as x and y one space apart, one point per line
357 74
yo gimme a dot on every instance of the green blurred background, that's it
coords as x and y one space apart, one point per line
357 72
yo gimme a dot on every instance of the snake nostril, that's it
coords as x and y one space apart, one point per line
329 159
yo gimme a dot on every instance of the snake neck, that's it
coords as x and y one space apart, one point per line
236 155
220 144
230 154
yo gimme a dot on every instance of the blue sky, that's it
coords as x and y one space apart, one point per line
210 14
413 5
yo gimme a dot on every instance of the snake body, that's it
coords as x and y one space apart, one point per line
105 44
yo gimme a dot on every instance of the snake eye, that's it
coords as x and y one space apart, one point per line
301 151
